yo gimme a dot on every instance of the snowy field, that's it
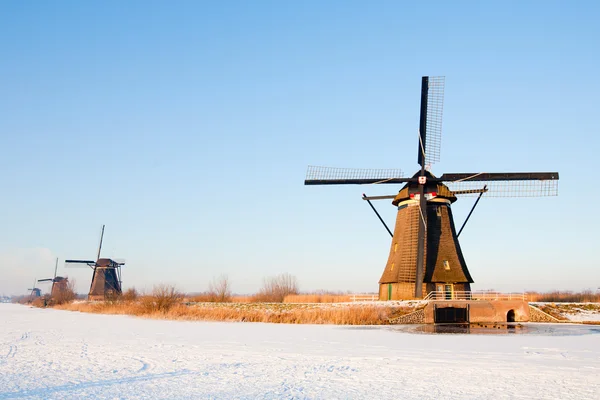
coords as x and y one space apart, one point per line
50 354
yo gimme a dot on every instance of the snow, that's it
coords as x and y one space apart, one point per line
576 312
51 354
584 315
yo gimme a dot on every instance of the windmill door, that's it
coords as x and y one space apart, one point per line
445 291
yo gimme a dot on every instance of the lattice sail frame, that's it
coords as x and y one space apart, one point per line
435 110
331 173
516 188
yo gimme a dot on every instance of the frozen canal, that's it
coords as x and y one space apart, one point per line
49 354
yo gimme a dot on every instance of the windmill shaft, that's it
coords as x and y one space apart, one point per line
421 243
422 200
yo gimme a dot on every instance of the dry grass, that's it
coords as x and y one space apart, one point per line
40 301
250 312
317 298
209 298
586 296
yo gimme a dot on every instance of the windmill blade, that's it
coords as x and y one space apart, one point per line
513 184
499 176
316 175
89 263
386 197
430 122
45 280
100 246
79 262
470 191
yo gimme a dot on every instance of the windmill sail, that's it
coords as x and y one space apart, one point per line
351 176
504 184
430 125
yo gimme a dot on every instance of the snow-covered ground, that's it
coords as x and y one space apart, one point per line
576 312
50 354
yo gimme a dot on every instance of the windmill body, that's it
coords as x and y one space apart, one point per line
105 282
59 284
425 254
106 277
34 292
443 260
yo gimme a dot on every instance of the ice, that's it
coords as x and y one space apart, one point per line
51 354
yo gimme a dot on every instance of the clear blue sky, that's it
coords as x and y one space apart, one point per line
186 128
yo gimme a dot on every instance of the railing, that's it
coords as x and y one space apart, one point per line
364 297
460 295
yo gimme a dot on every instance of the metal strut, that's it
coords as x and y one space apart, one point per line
376 213
472 209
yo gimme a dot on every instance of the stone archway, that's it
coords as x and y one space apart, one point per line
510 316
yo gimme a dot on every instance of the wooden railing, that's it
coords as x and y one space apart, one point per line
483 295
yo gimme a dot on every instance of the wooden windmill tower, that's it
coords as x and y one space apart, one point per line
425 254
106 278
59 283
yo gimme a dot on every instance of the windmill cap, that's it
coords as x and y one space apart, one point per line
105 262
432 186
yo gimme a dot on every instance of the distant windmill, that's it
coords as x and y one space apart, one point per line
425 254
106 278
59 283
35 292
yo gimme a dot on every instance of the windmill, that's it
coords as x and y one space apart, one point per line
35 292
106 278
425 254
59 283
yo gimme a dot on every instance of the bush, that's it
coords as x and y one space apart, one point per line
219 290
65 293
275 288
164 297
130 295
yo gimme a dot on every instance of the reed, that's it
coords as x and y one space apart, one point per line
147 306
556 296
317 298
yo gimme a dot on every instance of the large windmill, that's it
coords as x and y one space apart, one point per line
59 283
106 278
425 254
